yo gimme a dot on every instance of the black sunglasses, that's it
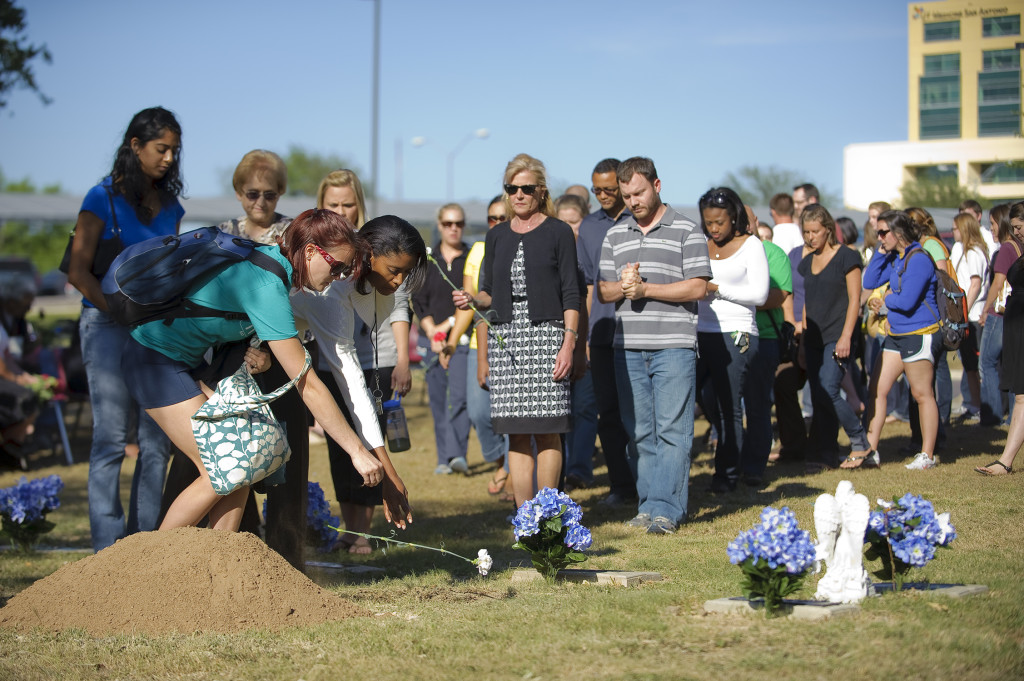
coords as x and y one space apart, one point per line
254 195
496 218
715 197
883 232
528 189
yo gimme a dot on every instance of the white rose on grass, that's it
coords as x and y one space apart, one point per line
483 562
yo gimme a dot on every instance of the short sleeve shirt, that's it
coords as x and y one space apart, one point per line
825 296
673 250
240 287
780 276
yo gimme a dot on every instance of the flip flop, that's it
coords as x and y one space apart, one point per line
360 549
496 484
984 470
868 460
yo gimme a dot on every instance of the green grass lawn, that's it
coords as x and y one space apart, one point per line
435 618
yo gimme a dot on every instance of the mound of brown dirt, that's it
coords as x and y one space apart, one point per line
182 580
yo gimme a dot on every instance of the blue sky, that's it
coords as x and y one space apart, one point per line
702 88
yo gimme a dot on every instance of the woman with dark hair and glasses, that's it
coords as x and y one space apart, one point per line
530 282
260 179
912 319
395 258
160 357
136 201
831 274
726 322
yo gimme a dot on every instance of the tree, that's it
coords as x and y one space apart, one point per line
41 242
943 192
16 55
756 185
306 169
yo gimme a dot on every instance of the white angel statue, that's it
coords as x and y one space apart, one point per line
840 522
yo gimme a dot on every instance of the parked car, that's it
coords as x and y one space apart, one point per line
14 270
54 283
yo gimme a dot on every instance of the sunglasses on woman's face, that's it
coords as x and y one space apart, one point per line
883 233
338 268
254 195
528 189
495 219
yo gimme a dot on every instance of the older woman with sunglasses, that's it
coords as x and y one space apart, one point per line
260 179
531 283
726 322
159 358
912 319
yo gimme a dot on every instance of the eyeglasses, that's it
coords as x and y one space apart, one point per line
495 219
453 223
338 269
604 190
715 197
254 195
882 232
528 189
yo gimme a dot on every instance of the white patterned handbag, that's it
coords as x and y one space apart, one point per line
239 439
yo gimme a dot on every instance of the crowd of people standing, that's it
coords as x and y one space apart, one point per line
561 328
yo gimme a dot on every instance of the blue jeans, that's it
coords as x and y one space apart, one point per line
991 355
478 402
579 442
830 408
658 389
757 401
726 367
447 393
114 415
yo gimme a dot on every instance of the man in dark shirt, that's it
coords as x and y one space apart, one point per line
433 305
615 443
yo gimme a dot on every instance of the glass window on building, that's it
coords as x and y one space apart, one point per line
939 107
941 64
999 94
1002 173
992 27
941 30
935 173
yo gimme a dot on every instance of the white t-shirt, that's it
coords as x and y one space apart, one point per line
742 281
787 236
974 264
331 316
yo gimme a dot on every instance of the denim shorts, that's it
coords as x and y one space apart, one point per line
912 348
154 379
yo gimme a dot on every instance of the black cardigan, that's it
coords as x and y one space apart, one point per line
549 255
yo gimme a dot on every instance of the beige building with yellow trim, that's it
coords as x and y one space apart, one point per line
964 90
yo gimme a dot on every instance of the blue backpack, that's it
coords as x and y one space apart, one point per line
148 280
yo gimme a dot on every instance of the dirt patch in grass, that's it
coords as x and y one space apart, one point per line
183 580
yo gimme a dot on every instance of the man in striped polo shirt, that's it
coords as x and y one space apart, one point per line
655 267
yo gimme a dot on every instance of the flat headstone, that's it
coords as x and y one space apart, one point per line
925 588
341 567
795 609
603 577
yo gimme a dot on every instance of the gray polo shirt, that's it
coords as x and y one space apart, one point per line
672 250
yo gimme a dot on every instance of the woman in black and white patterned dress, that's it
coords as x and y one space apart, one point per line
530 283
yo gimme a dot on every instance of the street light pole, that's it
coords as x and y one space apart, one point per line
481 133
375 112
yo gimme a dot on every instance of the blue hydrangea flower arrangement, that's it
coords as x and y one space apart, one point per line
774 556
548 528
905 534
23 509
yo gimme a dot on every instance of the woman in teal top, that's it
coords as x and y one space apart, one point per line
159 359
137 201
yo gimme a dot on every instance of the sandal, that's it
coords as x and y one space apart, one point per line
497 483
869 459
985 470
361 546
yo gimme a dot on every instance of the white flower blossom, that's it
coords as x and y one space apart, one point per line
884 504
483 562
945 528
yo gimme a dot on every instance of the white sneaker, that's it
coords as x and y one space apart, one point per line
922 462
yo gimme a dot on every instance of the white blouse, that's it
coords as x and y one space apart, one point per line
742 281
330 314
973 264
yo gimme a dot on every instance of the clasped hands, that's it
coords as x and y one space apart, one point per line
633 286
